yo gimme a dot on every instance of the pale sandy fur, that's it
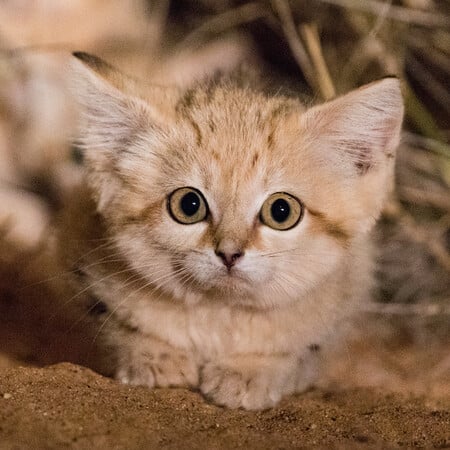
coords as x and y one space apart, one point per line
174 314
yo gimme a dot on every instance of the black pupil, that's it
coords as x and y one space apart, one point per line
190 203
280 210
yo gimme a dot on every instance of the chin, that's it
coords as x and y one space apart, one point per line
227 288
217 286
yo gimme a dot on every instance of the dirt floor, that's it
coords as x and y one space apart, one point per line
67 406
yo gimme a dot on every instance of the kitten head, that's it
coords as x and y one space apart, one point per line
221 193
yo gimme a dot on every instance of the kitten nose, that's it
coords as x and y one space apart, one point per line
229 259
229 254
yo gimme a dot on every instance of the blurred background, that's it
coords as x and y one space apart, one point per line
316 49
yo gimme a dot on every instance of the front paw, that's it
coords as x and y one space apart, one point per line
156 367
250 387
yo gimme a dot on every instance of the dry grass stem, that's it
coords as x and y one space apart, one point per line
419 114
418 233
312 40
223 22
434 87
404 309
295 44
433 145
368 46
430 53
437 199
402 14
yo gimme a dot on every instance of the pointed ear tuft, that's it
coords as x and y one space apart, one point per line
395 77
95 63
108 72
87 58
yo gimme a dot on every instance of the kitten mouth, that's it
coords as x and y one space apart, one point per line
214 278
227 282
233 273
231 279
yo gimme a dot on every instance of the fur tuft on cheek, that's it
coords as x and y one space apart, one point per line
299 262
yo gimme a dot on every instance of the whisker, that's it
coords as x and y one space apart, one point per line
278 282
298 251
68 272
136 277
93 250
90 286
280 252
145 286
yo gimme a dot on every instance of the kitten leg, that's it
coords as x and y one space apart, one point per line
256 382
147 361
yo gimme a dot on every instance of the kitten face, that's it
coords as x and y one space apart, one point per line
226 195
185 259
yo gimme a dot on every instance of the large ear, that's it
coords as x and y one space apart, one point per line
362 126
357 135
109 106
112 114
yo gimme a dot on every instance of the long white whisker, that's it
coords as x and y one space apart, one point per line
136 277
145 286
93 250
68 272
280 252
95 283
154 282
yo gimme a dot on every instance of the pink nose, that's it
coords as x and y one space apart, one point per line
229 258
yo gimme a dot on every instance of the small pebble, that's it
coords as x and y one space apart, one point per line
7 396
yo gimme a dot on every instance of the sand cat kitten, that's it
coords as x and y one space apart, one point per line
223 233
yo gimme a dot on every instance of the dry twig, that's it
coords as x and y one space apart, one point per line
402 14
418 233
220 23
403 309
295 44
312 41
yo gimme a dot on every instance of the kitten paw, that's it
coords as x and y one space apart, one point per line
244 388
158 368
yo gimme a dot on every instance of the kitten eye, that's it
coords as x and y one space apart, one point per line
281 211
187 205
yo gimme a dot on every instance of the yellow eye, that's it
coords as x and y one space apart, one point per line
281 211
187 205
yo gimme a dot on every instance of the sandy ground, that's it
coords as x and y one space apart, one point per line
67 406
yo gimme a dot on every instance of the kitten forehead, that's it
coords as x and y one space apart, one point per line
230 124
241 110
